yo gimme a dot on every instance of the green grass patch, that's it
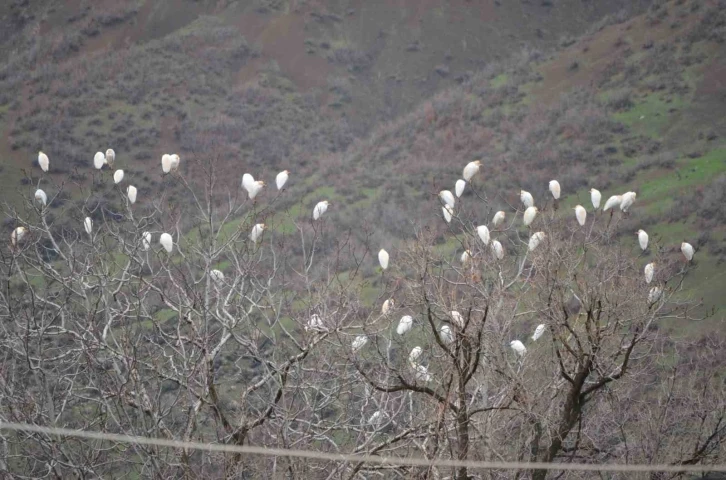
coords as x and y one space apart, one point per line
650 116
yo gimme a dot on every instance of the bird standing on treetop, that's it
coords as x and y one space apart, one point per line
642 239
281 179
581 215
498 218
529 216
383 258
595 197
526 198
687 250
555 189
471 169
43 161
459 187
320 209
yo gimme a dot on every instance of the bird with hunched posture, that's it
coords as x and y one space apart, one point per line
627 201
687 250
404 325
613 202
649 271
166 241
498 218
415 353
529 216
255 188
281 179
526 198
471 169
448 213
43 161
17 236
465 257
447 336
358 343
256 232
175 160
387 306
41 197
99 160
459 187
555 189
166 163
217 276
497 249
247 181
535 240
110 157
457 320
483 232
383 258
131 193
315 323
320 209
518 347
595 197
581 215
654 294
146 240
422 373
642 239
88 225
538 332
447 197
118 175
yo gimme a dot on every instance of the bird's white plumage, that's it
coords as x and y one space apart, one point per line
457 320
375 419
498 218
447 197
538 332
642 239
255 189
483 232
627 201
217 276
383 258
415 353
175 161
459 187
649 271
465 257
448 213
447 336
17 236
687 250
131 193
595 197
99 160
555 189
497 249
387 306
88 225
247 181
315 323
612 202
654 294
526 198
358 343
581 215
118 176
535 240
529 216
167 242
422 373
146 240
256 232
281 179
41 197
404 325
166 163
320 209
110 157
471 169
518 347
43 161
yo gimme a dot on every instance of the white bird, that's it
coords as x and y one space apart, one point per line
459 187
457 320
131 193
538 332
628 201
498 218
359 342
315 323
447 197
281 179
535 240
110 157
146 240
497 249
166 241
471 169
447 336
320 209
483 232
518 347
555 189
422 373
118 175
415 353
581 215
255 188
41 197
99 160
465 257
166 163
217 276
649 271
256 232
595 197
529 215
613 202
448 213
175 160
375 419
383 258
43 161
17 236
642 239
687 250
387 306
88 225
526 198
404 325
654 294
247 181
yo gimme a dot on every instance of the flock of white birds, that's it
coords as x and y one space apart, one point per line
170 163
